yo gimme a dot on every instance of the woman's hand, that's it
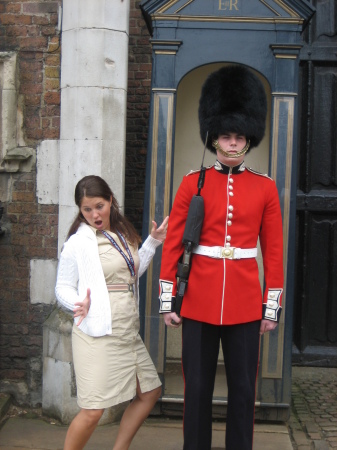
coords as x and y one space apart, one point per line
160 232
82 308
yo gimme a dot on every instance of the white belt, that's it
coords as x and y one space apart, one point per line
225 252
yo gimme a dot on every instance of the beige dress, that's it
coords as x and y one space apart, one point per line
106 367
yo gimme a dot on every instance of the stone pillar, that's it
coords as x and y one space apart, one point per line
93 98
59 398
94 73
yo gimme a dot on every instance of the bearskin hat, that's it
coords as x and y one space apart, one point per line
233 100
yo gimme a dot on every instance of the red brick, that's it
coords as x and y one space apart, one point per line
27 208
56 122
38 219
52 72
32 122
50 133
52 98
31 88
30 229
34 134
54 45
34 30
23 196
45 123
13 374
32 100
34 43
52 84
146 66
36 252
15 19
17 30
35 241
49 209
5 251
17 228
43 231
34 340
50 110
41 20
32 76
40 8
53 60
54 19
51 253
50 242
53 220
16 283
13 7
20 352
25 219
48 31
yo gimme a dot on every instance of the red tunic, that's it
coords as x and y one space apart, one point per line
240 207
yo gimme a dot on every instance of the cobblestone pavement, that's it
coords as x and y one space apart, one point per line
313 420
312 424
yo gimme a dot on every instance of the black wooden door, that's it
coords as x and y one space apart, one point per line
315 309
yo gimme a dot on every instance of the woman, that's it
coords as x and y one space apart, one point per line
97 279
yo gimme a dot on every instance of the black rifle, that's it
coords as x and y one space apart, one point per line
191 236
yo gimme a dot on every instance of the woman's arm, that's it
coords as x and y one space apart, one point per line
148 249
67 280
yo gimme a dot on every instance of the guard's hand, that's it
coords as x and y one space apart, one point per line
82 308
172 320
160 232
267 325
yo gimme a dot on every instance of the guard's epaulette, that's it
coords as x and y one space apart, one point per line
258 173
191 172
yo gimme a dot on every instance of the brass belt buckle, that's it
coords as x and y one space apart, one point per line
228 252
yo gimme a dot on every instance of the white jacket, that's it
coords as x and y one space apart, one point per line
80 268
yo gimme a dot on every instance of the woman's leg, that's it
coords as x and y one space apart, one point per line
81 428
134 416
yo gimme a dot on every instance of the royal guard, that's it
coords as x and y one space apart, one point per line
222 299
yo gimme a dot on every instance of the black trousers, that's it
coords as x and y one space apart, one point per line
200 351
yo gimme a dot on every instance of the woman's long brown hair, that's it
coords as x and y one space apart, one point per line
95 186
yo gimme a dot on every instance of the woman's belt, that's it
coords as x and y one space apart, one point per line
120 287
225 252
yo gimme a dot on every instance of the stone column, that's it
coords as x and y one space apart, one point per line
94 73
93 98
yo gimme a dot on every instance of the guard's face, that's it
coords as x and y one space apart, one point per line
231 143
96 211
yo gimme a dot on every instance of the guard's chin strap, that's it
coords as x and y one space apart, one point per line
217 147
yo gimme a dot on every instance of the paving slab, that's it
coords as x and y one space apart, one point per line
155 434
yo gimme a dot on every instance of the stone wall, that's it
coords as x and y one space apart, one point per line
29 30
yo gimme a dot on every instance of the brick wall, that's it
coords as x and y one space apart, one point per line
30 29
139 88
